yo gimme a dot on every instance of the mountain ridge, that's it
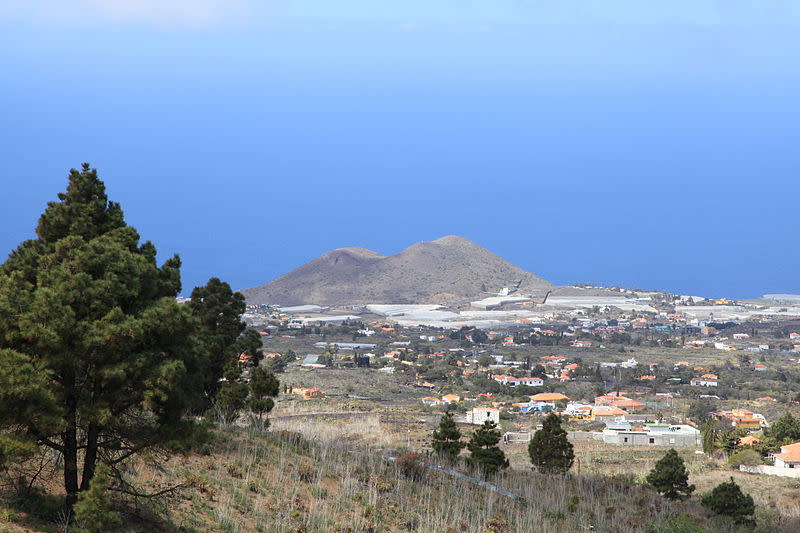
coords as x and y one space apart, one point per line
450 269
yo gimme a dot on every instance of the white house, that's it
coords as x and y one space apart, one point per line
653 434
511 381
530 382
433 401
630 363
789 456
479 415
704 382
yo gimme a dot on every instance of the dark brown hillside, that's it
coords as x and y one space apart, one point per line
450 268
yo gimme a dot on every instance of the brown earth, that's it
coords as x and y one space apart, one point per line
450 269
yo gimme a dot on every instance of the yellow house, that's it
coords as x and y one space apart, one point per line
309 393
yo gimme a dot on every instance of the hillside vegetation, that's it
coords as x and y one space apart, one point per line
283 482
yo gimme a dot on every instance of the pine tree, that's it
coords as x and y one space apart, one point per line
232 394
97 360
249 343
549 449
219 311
263 387
446 440
484 452
670 478
93 512
786 428
728 499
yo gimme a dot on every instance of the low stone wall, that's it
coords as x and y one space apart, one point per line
771 470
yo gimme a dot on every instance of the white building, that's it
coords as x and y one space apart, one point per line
479 415
511 381
704 382
530 382
789 456
655 434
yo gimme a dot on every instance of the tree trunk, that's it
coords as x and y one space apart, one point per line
71 465
90 459
70 438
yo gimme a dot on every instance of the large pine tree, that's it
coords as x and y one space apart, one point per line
446 440
549 449
219 311
670 477
485 455
97 360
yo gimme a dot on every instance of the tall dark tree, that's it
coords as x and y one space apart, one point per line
446 440
728 499
549 449
710 437
264 386
785 428
670 478
249 343
231 396
97 360
700 411
219 310
479 336
484 452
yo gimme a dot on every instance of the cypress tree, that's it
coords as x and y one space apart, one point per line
484 452
670 478
446 440
710 436
549 449
728 499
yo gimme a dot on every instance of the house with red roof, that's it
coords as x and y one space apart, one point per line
789 456
432 401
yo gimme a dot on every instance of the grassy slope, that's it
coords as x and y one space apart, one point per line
282 482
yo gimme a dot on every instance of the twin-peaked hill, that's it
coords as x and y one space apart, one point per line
448 270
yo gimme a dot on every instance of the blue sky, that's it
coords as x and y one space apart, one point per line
616 142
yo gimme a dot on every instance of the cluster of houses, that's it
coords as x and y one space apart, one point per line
739 343
556 367
446 399
743 419
622 426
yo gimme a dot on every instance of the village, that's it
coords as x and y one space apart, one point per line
626 379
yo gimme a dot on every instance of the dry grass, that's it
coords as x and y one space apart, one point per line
337 481
282 482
